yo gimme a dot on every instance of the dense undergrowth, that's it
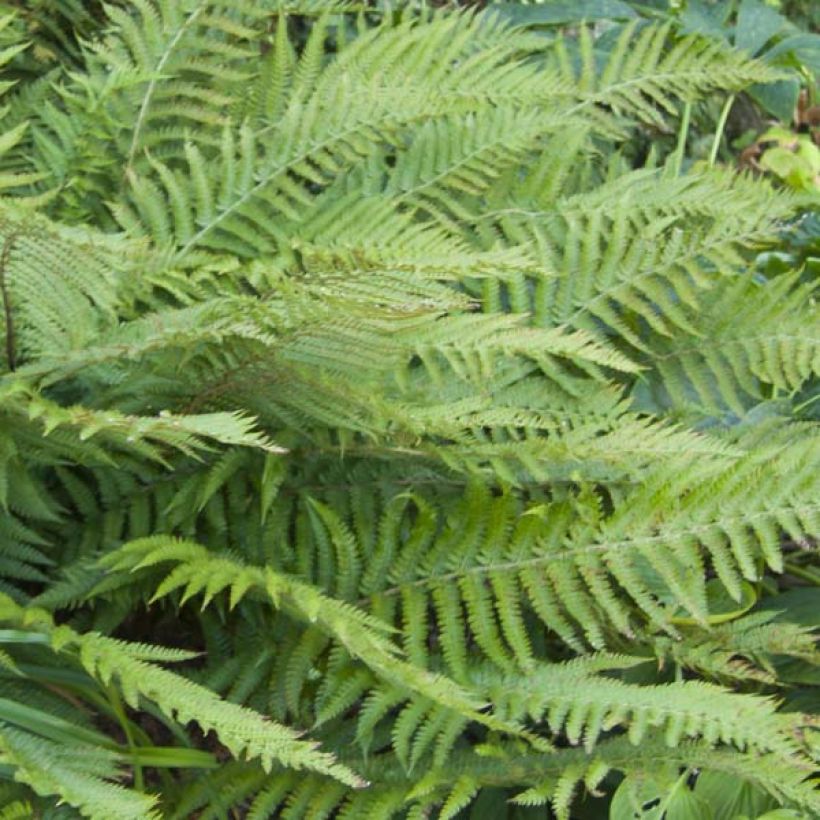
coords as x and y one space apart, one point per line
408 413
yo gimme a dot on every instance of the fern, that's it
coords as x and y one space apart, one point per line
134 668
378 438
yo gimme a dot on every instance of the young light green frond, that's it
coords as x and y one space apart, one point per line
243 732
580 706
83 777
363 636
146 434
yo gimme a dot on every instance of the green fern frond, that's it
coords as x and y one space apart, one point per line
727 369
135 671
58 286
363 636
582 706
243 732
532 780
169 89
223 205
82 777
745 648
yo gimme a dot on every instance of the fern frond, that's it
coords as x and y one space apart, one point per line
82 777
642 78
58 286
224 206
532 780
141 434
728 368
582 706
168 52
360 634
745 648
242 731
632 272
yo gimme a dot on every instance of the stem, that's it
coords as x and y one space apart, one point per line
680 783
802 572
683 133
721 125
807 403
11 356
116 704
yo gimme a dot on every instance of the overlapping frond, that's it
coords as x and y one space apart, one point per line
554 779
743 649
362 636
727 367
83 777
583 705
380 91
627 269
58 286
643 79
136 671
175 66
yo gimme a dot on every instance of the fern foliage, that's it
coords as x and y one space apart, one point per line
376 438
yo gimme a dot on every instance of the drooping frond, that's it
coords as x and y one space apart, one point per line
362 636
81 776
244 732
